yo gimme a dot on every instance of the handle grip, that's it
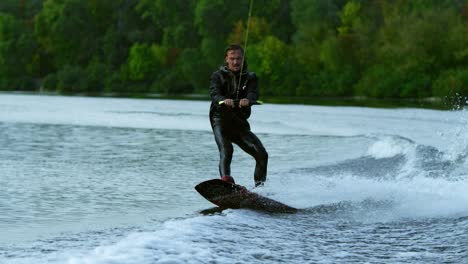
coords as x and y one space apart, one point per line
236 102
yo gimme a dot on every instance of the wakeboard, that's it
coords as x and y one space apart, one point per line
234 196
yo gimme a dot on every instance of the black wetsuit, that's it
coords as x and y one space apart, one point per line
230 125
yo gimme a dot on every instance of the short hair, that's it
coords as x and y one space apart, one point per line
233 47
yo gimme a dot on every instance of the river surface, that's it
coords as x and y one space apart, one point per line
102 180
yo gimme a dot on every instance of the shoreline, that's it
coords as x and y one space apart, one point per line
434 103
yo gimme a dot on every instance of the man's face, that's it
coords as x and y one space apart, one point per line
234 60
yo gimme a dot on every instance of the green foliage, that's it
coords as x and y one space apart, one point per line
173 19
21 9
349 18
115 83
16 54
96 74
64 29
451 82
208 15
141 63
379 81
171 83
258 29
382 48
50 82
194 69
269 59
71 79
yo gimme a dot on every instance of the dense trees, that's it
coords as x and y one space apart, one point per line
16 53
376 48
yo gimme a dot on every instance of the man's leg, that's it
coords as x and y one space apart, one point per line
225 151
250 143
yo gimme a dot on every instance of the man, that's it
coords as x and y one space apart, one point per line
232 83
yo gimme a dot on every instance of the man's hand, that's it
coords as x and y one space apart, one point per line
229 102
244 102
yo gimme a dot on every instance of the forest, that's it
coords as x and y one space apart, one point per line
316 48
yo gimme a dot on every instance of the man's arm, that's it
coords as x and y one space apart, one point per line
215 88
252 87
251 93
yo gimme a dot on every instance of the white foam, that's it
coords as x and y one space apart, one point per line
457 141
203 239
192 240
175 241
410 197
389 147
172 244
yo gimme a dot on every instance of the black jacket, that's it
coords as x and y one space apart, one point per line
224 84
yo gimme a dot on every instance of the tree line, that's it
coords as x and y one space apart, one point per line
374 48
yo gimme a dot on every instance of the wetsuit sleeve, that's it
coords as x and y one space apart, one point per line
252 87
215 88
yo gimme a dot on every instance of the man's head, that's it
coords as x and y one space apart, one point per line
234 57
